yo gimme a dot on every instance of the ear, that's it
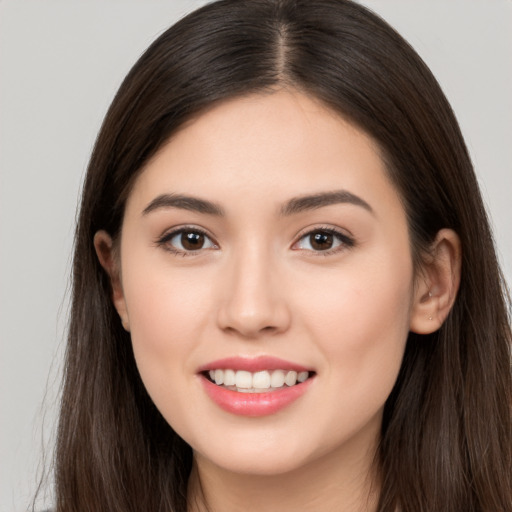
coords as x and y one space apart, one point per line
109 260
437 283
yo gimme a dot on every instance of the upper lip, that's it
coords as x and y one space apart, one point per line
252 364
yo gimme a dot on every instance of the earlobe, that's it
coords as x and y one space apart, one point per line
109 260
437 283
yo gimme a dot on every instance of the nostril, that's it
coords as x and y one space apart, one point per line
246 331
252 311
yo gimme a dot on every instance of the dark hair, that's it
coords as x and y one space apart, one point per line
446 442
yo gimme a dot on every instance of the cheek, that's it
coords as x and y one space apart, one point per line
161 300
360 320
166 312
159 314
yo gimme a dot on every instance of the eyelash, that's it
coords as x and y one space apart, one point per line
345 241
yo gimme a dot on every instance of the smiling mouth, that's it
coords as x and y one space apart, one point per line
256 382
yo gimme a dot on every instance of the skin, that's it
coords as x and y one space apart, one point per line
258 287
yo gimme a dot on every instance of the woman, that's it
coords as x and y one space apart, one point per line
286 294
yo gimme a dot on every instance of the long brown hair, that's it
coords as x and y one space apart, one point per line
446 441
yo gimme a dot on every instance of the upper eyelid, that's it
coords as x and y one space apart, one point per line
331 229
171 232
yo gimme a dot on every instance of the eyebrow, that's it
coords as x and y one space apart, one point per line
291 207
193 204
312 202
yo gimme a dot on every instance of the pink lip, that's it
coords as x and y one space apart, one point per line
254 404
255 364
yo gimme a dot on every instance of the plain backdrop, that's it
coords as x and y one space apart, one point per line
60 65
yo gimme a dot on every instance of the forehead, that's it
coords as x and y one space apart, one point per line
269 147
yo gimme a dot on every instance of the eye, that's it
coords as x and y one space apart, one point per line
187 240
324 240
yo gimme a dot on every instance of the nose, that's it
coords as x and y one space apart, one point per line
252 302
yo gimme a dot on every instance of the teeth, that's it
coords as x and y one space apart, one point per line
277 379
261 380
291 378
257 382
302 376
229 378
219 377
242 379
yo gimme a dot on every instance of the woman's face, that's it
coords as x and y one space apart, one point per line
264 242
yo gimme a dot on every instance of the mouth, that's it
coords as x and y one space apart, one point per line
264 381
255 387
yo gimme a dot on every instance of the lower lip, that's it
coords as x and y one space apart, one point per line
254 404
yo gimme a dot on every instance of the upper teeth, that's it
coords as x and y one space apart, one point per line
263 380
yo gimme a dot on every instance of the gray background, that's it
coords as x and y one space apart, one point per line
60 64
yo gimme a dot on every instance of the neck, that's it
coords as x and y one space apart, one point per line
345 482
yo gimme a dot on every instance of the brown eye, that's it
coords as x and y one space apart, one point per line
192 241
321 240
324 240
185 241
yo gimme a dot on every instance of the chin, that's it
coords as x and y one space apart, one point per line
259 464
265 453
